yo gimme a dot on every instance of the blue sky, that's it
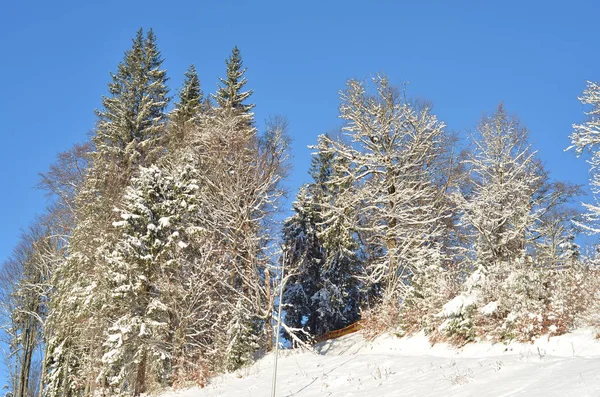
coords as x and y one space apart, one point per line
463 56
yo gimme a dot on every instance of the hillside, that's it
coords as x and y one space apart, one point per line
389 366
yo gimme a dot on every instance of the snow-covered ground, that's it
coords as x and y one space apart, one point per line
568 365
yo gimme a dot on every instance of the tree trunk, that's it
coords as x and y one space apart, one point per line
140 381
28 347
270 308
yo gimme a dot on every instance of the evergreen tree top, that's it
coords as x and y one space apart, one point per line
190 93
229 93
191 99
321 165
133 115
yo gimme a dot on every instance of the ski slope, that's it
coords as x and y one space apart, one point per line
568 365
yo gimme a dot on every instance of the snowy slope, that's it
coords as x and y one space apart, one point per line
568 365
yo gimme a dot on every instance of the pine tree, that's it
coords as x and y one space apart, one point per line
128 134
187 111
230 94
243 335
248 169
304 253
340 294
131 123
324 293
143 264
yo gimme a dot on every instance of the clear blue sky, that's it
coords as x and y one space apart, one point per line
464 56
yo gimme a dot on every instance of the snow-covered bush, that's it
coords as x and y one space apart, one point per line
515 301
432 288
588 302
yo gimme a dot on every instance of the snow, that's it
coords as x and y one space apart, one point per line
165 221
491 308
457 305
350 366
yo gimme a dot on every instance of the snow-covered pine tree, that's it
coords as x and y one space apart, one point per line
128 134
241 173
323 295
187 111
239 187
144 263
337 301
243 334
230 93
233 110
131 124
304 257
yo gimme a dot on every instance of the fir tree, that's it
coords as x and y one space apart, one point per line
187 111
242 334
128 134
324 295
248 168
131 123
304 253
230 94
158 207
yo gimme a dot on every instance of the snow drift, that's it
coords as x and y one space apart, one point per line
566 365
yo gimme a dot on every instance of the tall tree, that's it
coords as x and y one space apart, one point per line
323 293
25 282
510 210
187 111
155 225
131 123
230 93
129 134
305 254
511 199
389 175
242 173
505 178
586 138
247 168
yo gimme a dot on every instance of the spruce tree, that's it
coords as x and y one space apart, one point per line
187 110
304 253
141 268
128 134
229 93
338 299
245 167
324 295
131 123
243 335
